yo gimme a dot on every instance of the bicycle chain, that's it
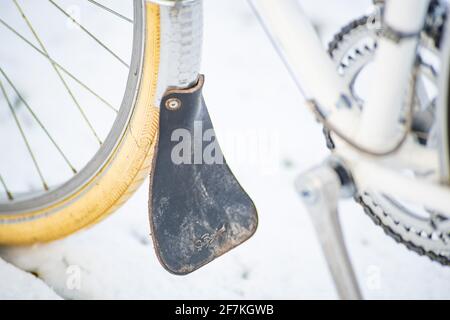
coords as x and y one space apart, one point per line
368 208
443 260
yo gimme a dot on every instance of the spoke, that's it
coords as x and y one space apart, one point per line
64 83
28 42
89 33
33 114
8 193
24 137
111 11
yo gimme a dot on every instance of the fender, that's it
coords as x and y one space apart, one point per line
198 210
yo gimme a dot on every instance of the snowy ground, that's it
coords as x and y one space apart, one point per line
116 260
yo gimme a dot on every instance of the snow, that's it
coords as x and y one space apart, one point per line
249 95
18 284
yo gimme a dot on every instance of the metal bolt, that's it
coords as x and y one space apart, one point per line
309 195
173 104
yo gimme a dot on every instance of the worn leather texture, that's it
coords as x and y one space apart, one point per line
198 210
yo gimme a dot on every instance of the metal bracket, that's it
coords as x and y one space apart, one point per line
396 36
320 189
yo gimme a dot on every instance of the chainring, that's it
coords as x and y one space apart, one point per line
352 49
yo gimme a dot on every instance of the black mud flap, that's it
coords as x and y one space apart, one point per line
198 210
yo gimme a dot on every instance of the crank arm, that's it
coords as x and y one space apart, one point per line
320 189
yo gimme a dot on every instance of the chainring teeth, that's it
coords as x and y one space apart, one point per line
442 259
434 235
351 53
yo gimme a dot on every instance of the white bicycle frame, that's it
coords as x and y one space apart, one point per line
377 127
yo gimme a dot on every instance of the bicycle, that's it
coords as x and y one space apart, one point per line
389 145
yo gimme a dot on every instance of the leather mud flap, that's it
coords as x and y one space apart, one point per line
198 210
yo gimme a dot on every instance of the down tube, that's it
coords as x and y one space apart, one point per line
299 46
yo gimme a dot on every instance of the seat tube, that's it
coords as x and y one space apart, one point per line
393 63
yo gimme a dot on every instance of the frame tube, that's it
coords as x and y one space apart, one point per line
300 48
379 127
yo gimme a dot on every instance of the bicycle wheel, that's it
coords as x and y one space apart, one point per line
45 197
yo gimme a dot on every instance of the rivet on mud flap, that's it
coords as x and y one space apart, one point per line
198 210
